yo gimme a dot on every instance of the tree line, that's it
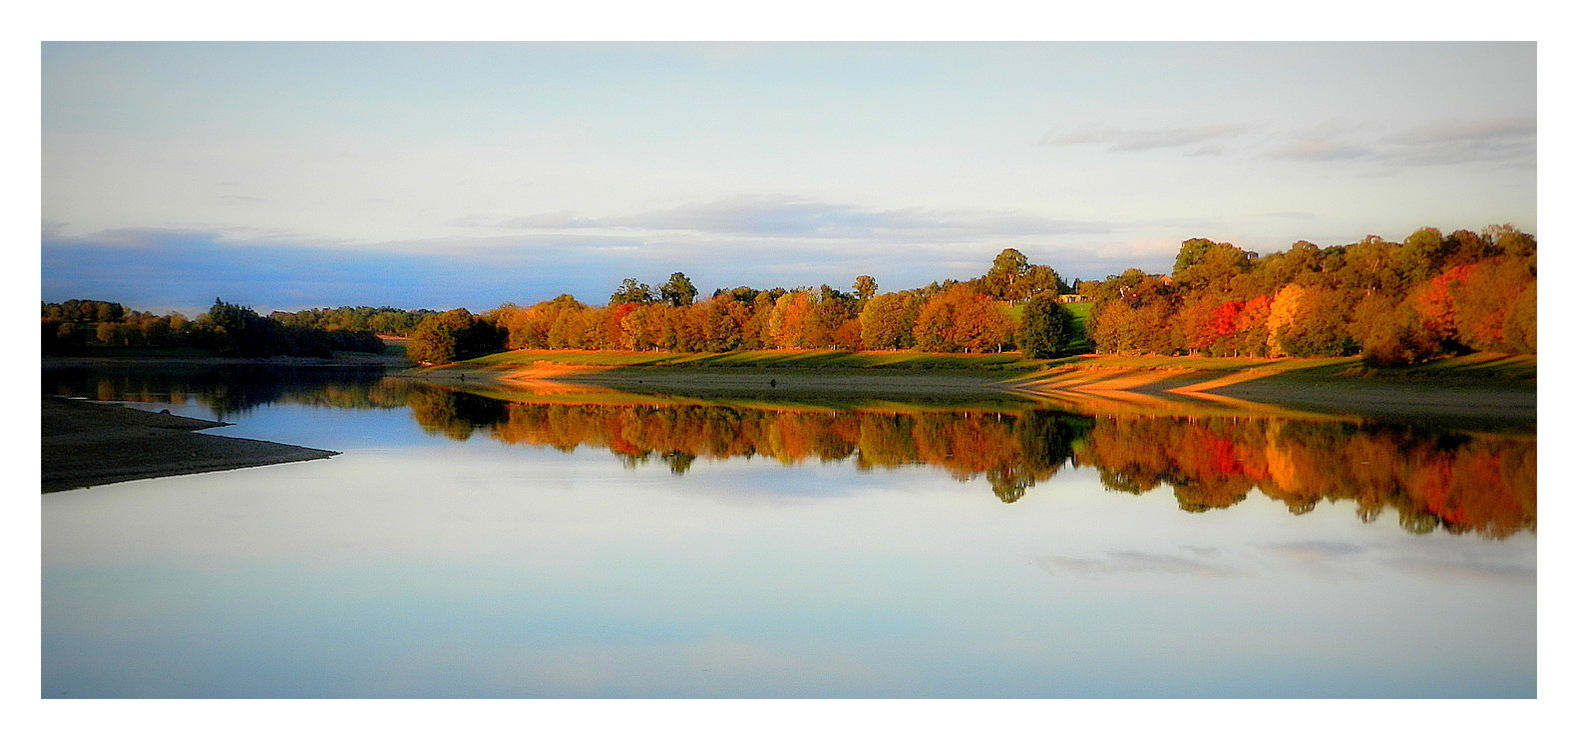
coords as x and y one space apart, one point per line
1015 305
1432 295
226 329
1392 303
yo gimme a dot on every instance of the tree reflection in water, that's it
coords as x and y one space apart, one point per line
1462 482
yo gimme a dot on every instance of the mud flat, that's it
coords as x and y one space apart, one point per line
85 443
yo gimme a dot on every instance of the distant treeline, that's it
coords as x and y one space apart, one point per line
226 329
397 322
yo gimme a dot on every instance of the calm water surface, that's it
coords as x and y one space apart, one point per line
565 542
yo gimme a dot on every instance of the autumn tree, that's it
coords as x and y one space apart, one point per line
1390 333
888 321
1134 313
756 331
837 320
792 322
722 322
962 320
1318 326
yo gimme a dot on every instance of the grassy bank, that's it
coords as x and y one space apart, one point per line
1477 387
819 359
1475 369
1480 386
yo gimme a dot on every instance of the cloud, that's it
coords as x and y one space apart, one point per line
1291 215
1499 129
1321 151
1134 140
785 216
1134 562
1508 141
1500 141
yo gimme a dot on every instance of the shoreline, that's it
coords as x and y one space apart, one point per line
1326 386
90 443
93 443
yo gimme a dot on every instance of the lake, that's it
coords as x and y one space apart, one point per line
563 541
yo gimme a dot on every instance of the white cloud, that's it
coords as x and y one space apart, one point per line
1132 140
793 217
1321 151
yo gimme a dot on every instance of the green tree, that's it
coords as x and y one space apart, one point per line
238 331
678 291
1191 253
865 288
1044 328
1012 278
1211 268
453 336
631 291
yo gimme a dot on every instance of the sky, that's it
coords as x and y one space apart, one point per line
288 175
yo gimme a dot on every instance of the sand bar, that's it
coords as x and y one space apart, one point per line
86 443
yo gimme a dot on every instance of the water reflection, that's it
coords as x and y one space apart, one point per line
231 390
1477 482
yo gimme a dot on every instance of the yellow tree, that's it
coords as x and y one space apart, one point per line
790 323
1284 311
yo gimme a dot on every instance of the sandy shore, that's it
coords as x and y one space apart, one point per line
91 444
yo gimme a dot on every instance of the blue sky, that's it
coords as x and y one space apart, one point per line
290 175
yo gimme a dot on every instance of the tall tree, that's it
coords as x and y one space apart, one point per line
865 288
631 291
1044 328
678 291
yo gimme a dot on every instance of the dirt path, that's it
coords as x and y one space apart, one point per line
91 444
